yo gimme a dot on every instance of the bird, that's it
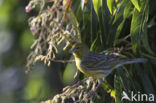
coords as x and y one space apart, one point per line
98 65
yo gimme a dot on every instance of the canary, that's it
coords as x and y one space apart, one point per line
98 65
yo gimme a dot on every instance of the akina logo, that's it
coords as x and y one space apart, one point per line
138 97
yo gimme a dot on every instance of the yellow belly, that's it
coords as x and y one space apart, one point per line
78 65
89 73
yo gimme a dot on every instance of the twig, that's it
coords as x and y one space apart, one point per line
63 61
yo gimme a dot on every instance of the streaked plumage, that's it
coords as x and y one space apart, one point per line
98 65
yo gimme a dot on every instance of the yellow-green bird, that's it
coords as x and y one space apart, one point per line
98 65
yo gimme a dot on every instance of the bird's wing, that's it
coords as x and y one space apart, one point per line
95 61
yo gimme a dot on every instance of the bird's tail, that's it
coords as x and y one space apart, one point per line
130 61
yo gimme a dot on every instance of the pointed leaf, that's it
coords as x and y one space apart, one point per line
110 5
128 10
145 40
117 87
97 5
119 13
135 29
136 4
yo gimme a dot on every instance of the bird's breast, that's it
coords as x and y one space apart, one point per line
79 67
83 69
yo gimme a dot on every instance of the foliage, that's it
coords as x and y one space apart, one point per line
105 26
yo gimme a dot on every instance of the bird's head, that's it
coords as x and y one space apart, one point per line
79 50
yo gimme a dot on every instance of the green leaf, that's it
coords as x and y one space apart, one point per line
123 7
146 82
119 13
117 87
136 4
96 42
108 88
148 56
128 10
110 5
118 31
97 5
135 29
144 29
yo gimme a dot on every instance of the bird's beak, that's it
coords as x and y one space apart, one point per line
72 50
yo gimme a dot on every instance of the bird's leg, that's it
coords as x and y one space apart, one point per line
99 83
94 84
76 74
92 92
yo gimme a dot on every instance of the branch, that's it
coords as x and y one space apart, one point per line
63 61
